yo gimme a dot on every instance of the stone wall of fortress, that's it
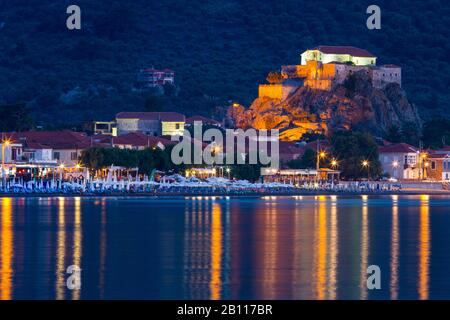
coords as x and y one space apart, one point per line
325 76
276 91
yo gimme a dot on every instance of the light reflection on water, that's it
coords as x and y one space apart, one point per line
301 247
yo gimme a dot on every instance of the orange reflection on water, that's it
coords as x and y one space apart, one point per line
395 248
364 248
6 250
77 242
321 250
216 252
269 257
424 247
334 250
60 251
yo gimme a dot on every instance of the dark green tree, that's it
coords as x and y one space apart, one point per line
436 133
393 134
351 149
155 103
411 133
15 117
306 161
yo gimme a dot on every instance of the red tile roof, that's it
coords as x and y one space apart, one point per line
397 148
163 116
191 120
53 139
140 140
353 51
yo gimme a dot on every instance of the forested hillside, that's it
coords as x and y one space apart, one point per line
219 49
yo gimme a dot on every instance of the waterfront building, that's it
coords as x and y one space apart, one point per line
400 161
62 148
140 141
438 165
299 176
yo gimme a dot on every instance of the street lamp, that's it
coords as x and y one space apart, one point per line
228 172
320 155
334 163
366 164
5 143
395 166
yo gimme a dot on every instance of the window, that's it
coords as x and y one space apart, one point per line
56 155
177 126
433 165
73 156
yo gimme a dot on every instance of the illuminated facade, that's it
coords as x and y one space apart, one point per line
342 54
150 123
324 67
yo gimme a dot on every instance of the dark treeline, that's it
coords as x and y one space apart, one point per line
219 49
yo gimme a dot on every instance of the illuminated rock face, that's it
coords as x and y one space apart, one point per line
355 104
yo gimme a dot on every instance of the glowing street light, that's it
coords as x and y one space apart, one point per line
366 164
395 164
5 143
334 163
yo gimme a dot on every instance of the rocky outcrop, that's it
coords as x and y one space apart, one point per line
355 104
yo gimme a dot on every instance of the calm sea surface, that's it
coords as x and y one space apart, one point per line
225 248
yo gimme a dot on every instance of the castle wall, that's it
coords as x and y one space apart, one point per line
384 75
319 84
324 76
277 91
343 71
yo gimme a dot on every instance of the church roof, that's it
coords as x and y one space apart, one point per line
353 51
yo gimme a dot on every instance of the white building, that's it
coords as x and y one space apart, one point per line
344 54
400 160
150 123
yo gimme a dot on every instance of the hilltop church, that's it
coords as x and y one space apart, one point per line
324 67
